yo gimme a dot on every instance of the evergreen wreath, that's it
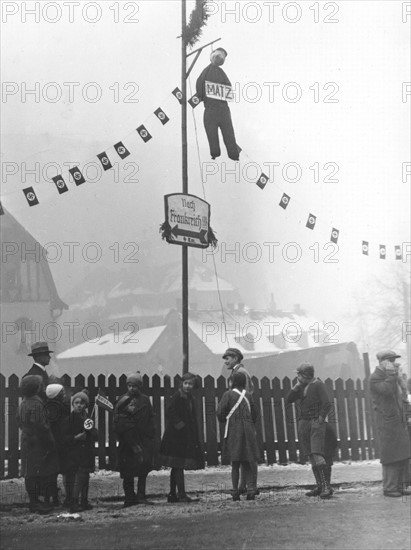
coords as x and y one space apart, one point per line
198 19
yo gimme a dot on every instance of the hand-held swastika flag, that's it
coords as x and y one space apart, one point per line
398 253
311 221
105 161
285 199
162 117
60 184
104 403
335 233
365 247
383 252
143 133
30 196
262 181
121 149
194 101
177 93
77 176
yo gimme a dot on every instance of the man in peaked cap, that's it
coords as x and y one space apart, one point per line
232 360
315 405
389 394
41 354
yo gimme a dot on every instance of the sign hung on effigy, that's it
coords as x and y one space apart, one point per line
223 92
188 217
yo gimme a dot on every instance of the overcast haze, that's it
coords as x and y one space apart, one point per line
362 60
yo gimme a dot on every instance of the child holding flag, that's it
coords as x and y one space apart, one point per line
78 436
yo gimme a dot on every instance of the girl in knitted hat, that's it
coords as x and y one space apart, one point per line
79 448
180 446
134 427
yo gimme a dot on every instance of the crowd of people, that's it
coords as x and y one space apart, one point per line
58 436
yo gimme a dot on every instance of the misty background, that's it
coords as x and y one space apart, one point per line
363 57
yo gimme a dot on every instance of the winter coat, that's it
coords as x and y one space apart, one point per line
136 436
212 73
181 437
77 454
38 449
241 441
57 410
390 402
37 370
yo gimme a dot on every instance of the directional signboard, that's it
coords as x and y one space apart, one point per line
189 219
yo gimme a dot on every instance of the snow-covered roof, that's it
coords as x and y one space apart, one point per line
122 343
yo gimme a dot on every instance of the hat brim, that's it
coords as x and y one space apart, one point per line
39 352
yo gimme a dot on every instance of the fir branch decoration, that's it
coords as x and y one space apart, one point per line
198 19
212 239
165 230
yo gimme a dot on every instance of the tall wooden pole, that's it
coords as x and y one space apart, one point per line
185 185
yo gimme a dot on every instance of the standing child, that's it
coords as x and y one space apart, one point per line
38 450
134 427
180 447
79 452
238 411
58 408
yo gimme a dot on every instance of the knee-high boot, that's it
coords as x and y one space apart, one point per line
182 496
129 494
326 491
315 492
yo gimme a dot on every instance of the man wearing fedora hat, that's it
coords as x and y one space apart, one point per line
41 354
389 394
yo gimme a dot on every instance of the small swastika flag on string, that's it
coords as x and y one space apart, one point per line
121 149
162 117
77 175
30 196
60 184
105 161
383 252
262 181
285 199
365 247
178 94
398 253
144 133
311 221
194 101
335 233
104 403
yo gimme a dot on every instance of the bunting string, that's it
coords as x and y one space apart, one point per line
147 131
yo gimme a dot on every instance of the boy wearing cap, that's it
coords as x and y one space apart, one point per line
216 111
315 405
232 360
389 395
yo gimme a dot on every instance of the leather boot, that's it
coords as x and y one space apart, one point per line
141 491
315 492
329 478
236 495
326 491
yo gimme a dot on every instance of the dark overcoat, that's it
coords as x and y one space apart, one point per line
38 449
77 454
241 441
136 436
390 402
181 436
57 411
